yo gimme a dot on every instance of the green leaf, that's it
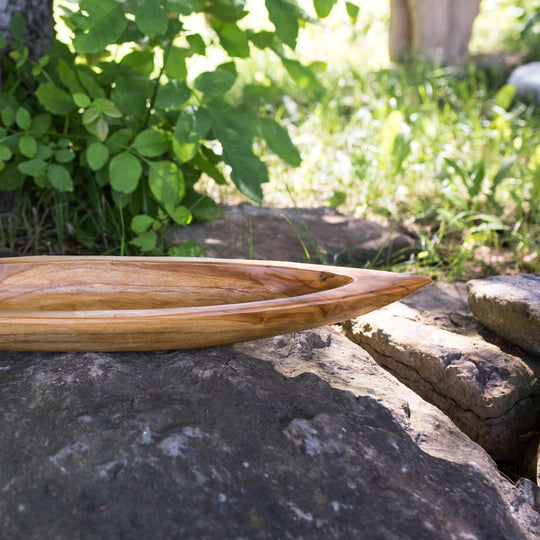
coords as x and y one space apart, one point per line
104 25
101 129
172 95
60 178
68 77
152 142
11 178
263 39
166 182
248 171
3 42
40 123
27 146
119 140
90 115
18 25
352 11
150 16
64 156
505 96
180 215
8 116
457 169
106 107
146 241
34 167
125 170
184 7
142 61
141 223
283 16
131 96
201 162
338 198
97 154
197 44
81 100
301 74
120 199
191 128
23 118
87 79
175 66
214 83
502 173
5 153
232 39
186 249
44 152
54 99
323 7
279 141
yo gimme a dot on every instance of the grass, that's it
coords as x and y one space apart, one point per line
446 152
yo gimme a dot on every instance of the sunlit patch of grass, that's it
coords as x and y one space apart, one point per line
446 152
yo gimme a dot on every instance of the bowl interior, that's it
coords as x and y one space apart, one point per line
116 285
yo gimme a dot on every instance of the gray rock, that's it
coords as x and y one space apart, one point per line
319 234
437 350
526 79
510 307
220 443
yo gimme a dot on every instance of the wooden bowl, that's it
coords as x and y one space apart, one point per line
153 303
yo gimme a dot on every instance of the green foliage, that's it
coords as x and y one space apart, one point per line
454 157
120 126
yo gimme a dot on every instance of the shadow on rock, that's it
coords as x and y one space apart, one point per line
216 443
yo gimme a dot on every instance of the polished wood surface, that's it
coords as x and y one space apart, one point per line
152 303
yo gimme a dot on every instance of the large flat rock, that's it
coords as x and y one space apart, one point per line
289 234
510 307
432 343
299 436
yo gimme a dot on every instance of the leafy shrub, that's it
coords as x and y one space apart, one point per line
117 129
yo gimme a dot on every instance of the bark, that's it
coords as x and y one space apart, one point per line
436 29
38 14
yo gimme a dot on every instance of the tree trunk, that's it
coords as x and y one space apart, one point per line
38 14
439 30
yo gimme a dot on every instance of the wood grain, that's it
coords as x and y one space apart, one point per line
153 303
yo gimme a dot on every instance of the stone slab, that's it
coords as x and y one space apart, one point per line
436 348
299 436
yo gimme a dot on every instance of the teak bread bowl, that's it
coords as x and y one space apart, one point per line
152 303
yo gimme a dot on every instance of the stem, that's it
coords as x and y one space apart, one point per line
123 240
166 52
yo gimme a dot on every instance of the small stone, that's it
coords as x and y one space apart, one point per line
510 307
526 79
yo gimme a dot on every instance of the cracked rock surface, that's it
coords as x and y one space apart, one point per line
299 436
432 343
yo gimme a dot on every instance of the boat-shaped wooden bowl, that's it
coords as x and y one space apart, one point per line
152 303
